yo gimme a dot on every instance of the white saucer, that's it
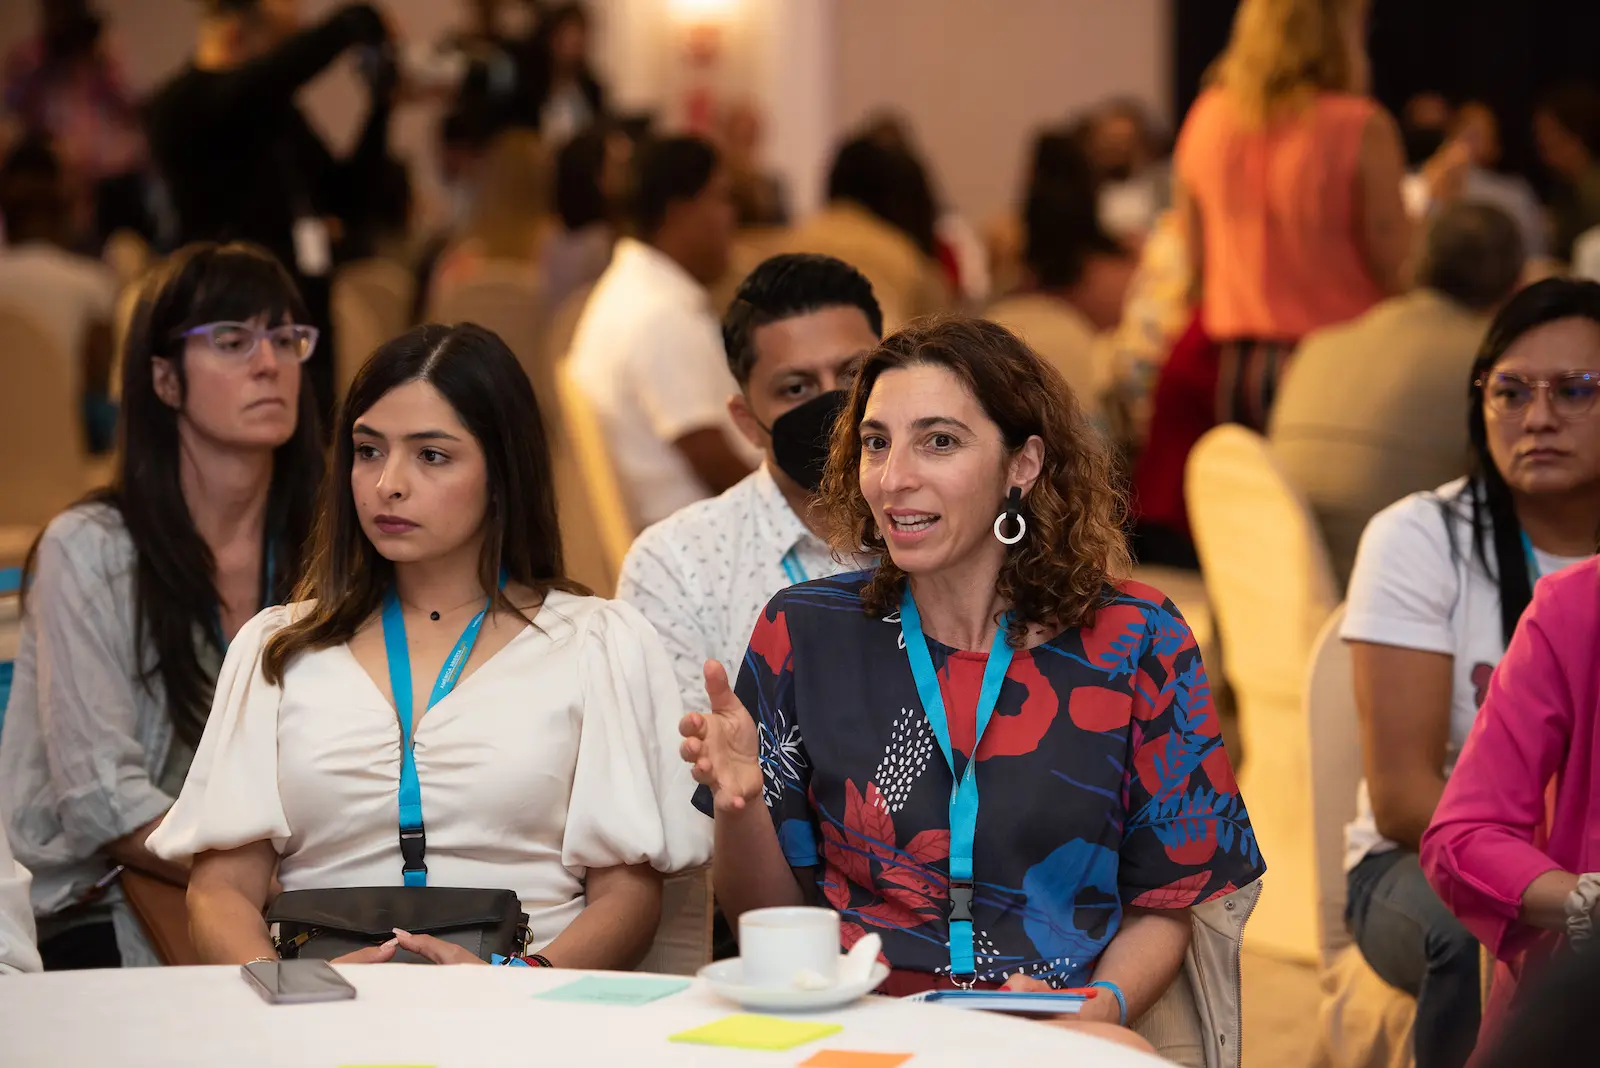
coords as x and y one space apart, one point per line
725 978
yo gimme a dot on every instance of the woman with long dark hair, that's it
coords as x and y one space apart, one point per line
562 97
132 597
1440 583
539 762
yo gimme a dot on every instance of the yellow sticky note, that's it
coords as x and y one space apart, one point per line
756 1032
846 1058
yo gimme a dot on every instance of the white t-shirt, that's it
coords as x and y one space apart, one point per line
557 754
1419 583
648 355
17 950
65 292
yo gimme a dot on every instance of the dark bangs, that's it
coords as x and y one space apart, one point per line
238 282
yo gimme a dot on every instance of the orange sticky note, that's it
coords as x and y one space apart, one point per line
844 1058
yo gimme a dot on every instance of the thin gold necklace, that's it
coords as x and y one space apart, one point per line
435 616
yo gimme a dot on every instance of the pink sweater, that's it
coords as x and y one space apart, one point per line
1497 828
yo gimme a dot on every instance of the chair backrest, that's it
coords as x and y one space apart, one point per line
1062 335
357 333
41 418
1335 742
506 298
600 487
127 254
1586 255
1270 586
563 325
385 286
682 944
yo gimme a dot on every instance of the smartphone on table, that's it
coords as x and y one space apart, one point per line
297 982
1017 1002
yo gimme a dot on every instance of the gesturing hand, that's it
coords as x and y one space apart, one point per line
722 745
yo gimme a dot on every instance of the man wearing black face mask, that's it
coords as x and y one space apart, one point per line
794 333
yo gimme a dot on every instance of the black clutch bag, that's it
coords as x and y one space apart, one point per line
324 924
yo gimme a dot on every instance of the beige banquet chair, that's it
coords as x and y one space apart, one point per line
506 298
357 334
1062 335
41 419
384 286
1270 587
1363 1022
682 944
589 493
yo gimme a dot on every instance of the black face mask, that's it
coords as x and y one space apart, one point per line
800 438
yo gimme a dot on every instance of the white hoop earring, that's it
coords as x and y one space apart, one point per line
1022 528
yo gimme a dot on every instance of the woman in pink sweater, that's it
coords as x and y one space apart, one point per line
1517 864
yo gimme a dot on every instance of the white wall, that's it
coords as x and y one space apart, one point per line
975 77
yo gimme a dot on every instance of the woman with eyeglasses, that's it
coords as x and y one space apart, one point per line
1440 582
132 596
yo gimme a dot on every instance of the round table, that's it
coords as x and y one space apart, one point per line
454 1017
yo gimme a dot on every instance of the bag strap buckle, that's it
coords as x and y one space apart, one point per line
413 845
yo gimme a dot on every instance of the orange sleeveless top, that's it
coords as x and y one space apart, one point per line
1279 211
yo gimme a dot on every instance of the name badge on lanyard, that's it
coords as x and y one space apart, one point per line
413 837
964 792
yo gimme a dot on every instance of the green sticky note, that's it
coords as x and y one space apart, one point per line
605 990
756 1032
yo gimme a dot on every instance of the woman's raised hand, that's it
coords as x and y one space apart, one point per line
722 745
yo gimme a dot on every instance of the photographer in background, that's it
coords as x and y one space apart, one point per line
243 164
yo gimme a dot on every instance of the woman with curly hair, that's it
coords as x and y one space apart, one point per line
1004 654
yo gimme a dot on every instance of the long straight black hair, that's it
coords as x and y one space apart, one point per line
175 591
1497 533
482 381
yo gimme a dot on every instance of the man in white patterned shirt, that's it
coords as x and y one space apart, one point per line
794 334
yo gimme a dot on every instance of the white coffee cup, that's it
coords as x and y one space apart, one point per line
777 945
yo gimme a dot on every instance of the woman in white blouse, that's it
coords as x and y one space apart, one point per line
547 769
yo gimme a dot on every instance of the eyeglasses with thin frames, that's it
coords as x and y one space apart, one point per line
236 341
1571 393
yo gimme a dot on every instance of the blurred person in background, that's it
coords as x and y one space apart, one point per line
463 137
1288 112
1462 167
71 295
758 193
1566 129
560 96
880 219
647 352
67 83
1077 274
1424 127
1373 409
591 186
1128 153
134 595
242 163
510 218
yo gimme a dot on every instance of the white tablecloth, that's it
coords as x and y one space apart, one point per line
454 1017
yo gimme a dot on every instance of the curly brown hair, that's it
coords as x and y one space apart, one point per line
1075 546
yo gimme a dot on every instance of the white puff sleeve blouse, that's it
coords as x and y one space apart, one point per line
555 755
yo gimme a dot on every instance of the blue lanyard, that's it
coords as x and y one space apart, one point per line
964 794
413 838
1535 572
793 568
